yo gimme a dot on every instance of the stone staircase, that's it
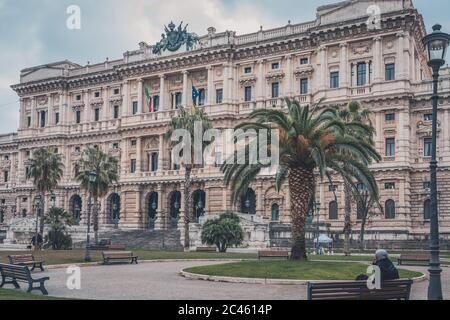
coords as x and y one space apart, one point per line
145 239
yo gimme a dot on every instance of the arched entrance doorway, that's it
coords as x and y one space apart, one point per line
152 207
114 209
174 205
76 206
248 202
198 198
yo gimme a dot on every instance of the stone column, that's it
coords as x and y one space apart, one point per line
33 113
126 99
406 56
185 100
368 67
403 136
50 111
140 96
226 84
162 91
261 84
161 155
159 223
343 67
210 93
139 155
289 75
400 55
379 132
105 111
377 60
62 109
321 57
124 158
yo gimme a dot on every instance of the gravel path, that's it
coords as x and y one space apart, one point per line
161 281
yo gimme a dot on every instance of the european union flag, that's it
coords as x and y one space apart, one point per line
195 95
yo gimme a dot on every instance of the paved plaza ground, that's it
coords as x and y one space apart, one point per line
161 280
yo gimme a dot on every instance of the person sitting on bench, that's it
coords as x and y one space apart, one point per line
387 268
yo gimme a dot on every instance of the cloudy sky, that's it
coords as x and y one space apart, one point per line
34 32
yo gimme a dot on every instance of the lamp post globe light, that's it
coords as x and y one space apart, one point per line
435 44
92 180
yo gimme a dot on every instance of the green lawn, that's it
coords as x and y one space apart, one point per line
77 256
368 258
7 294
311 270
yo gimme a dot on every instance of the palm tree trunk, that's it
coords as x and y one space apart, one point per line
187 205
301 185
348 221
363 230
95 216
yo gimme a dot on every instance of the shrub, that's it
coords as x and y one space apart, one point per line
223 232
57 238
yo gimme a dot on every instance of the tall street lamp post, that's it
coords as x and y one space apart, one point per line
37 208
435 44
92 180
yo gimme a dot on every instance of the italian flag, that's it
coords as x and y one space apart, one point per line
149 98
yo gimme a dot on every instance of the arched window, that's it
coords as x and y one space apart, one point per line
427 210
248 202
389 209
333 210
76 206
275 212
152 207
359 211
113 203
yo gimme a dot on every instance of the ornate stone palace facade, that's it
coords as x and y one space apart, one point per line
339 57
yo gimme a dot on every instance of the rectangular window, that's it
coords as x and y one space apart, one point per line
155 103
390 71
57 118
304 86
201 97
248 70
5 176
154 162
427 186
304 61
389 186
42 114
96 114
133 143
135 107
78 116
361 70
219 96
427 147
248 94
275 90
178 99
428 117
275 66
116 91
389 117
334 80
390 147
116 112
115 146
332 188
78 97
133 166
28 122
97 94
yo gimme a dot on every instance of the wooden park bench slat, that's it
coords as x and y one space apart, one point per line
413 258
273 254
112 257
26 260
206 249
357 290
19 273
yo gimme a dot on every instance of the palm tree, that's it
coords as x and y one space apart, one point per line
187 120
105 168
310 141
46 170
353 113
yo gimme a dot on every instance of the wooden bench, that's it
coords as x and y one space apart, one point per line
117 257
273 254
26 260
17 273
413 258
206 249
116 247
357 290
